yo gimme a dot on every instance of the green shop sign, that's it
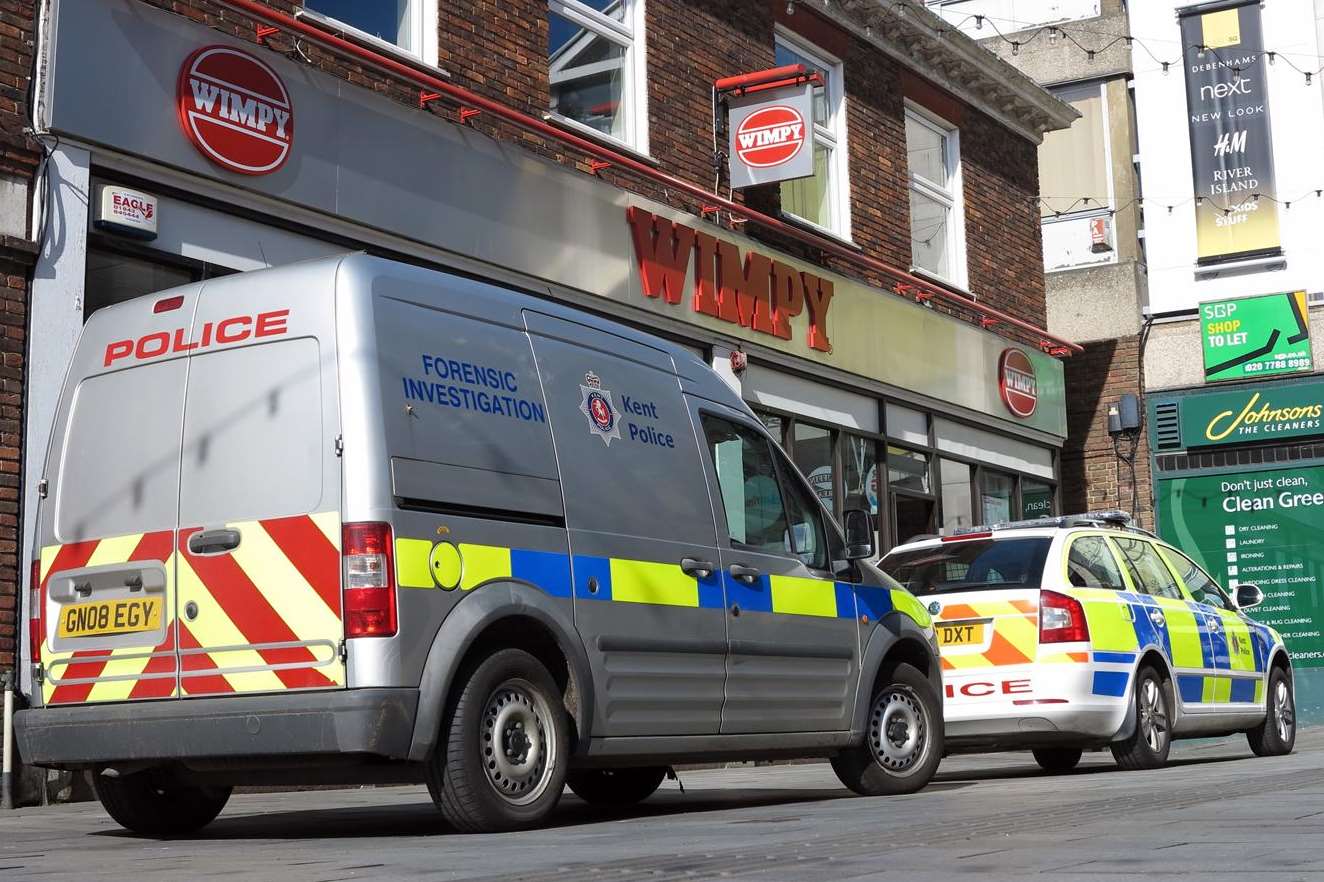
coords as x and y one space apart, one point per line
1246 415
1260 528
1255 336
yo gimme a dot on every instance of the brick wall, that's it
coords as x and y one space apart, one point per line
1092 478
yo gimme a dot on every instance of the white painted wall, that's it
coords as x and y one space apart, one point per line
1296 115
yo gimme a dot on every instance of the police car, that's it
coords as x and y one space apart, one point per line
1074 633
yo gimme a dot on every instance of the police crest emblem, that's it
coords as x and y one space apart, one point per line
596 404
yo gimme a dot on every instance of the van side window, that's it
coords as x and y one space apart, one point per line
751 493
806 519
1147 568
1203 589
1090 564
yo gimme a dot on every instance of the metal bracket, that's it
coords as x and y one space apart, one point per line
597 165
425 98
264 31
987 323
468 113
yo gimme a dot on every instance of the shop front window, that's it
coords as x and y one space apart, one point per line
1036 499
775 424
997 496
811 448
860 461
957 507
908 470
912 517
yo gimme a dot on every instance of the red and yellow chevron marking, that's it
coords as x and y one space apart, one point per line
125 673
1015 637
269 614
268 619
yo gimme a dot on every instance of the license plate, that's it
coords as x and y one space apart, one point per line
967 634
102 617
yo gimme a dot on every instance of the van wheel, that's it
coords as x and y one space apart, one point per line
902 741
1148 746
1276 736
501 761
1058 760
155 803
615 787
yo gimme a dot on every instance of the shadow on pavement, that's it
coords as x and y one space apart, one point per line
1095 764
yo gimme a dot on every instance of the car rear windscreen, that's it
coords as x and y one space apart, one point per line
970 565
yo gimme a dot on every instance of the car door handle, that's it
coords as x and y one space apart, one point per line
1157 618
1215 625
699 569
741 573
214 542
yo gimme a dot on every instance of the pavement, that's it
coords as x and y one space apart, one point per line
1215 812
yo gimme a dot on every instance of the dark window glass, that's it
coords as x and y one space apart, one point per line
1149 572
1036 499
956 501
751 491
912 518
1090 564
384 19
812 450
1197 581
908 469
860 457
996 496
970 565
113 277
806 519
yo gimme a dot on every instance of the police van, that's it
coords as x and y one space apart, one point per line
1067 634
356 521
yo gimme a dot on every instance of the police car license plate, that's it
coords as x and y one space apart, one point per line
102 617
961 634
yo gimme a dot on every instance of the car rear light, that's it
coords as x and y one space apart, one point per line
1061 619
369 591
962 537
168 304
36 613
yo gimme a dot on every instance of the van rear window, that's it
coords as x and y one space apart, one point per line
970 565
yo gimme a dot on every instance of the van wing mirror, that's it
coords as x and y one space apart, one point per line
1249 596
859 533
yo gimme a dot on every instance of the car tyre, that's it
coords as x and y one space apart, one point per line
903 739
615 788
1276 736
1058 760
1148 745
500 763
155 803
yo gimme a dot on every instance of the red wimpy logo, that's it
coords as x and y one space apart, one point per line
770 136
235 110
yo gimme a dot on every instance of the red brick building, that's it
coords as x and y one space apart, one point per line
920 214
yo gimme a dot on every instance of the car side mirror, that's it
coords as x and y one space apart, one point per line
859 534
1249 596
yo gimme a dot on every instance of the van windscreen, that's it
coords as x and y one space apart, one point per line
970 565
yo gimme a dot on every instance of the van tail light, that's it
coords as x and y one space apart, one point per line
1061 619
169 304
36 613
369 588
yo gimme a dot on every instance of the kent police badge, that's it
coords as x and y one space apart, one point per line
603 420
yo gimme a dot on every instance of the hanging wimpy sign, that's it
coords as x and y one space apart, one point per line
771 136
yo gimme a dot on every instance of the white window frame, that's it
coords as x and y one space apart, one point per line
422 26
629 34
832 135
952 197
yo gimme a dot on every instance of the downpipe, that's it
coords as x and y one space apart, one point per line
7 764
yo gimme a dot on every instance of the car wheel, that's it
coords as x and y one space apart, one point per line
500 763
155 803
615 787
1148 745
1276 736
903 740
1057 760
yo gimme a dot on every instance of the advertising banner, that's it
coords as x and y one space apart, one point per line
1228 118
1260 528
1251 337
771 136
1246 415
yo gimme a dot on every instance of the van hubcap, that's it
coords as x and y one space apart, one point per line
518 748
1153 715
1284 714
898 729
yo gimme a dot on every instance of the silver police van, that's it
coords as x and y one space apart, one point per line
355 521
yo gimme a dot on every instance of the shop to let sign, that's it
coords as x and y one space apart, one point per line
1260 528
1255 336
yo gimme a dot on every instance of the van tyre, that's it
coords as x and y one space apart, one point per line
155 803
1276 736
1058 760
1148 745
615 788
500 763
903 737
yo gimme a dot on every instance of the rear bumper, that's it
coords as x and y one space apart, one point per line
377 722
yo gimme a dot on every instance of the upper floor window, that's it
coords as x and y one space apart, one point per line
824 199
1075 178
937 226
409 25
596 69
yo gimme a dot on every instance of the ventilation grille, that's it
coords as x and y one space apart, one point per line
1167 426
1245 456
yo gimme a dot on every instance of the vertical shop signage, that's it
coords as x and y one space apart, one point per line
1259 528
772 136
235 110
1228 117
1252 337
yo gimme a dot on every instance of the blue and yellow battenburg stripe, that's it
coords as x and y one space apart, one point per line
619 580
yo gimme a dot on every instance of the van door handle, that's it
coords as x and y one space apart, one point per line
699 569
748 575
213 542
